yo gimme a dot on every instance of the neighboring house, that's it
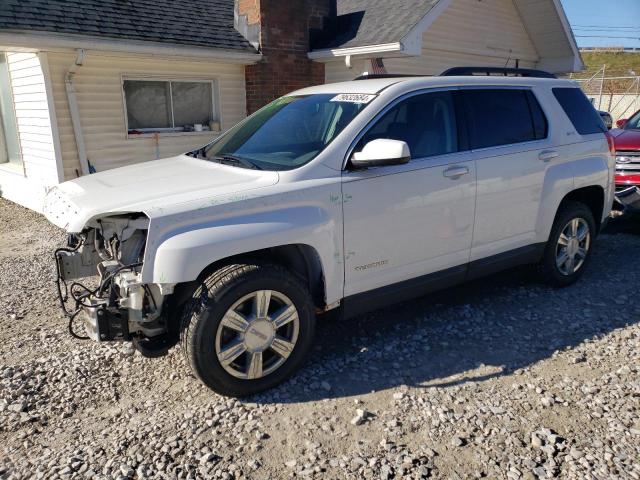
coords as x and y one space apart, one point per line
88 85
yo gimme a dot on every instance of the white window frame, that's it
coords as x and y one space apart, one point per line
171 131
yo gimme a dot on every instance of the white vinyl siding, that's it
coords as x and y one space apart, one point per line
545 26
100 99
468 32
32 118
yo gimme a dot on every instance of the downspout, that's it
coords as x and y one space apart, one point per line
75 113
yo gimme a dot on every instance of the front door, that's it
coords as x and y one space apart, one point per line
406 221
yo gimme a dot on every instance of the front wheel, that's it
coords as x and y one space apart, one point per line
570 244
247 328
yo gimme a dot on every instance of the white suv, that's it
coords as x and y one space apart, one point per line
350 196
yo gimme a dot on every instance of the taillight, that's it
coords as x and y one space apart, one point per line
612 147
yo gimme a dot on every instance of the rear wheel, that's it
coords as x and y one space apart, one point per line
568 250
248 328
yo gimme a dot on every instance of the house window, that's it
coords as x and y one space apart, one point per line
170 106
9 142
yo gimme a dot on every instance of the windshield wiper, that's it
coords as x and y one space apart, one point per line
235 160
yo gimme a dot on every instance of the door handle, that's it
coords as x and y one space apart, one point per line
548 155
455 172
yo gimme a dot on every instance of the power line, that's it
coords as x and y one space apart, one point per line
623 32
605 26
605 30
608 36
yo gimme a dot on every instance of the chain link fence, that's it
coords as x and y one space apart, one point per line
618 95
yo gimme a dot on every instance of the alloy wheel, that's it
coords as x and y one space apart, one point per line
257 334
573 246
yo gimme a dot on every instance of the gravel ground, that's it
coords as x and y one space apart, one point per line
501 378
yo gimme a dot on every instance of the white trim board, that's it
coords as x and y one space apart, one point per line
51 41
14 186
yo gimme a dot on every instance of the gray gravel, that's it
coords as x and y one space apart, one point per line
501 378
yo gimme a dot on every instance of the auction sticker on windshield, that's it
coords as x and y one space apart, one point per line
353 98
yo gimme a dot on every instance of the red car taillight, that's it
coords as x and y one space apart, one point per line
612 147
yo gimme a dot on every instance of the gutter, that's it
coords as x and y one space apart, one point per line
75 112
54 41
352 51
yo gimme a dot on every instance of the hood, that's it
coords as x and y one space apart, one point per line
147 187
626 139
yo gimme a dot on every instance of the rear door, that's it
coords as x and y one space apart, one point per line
508 134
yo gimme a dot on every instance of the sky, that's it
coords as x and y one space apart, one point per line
604 23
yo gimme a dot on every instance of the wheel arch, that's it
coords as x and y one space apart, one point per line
593 197
302 260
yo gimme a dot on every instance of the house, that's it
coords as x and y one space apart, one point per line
89 85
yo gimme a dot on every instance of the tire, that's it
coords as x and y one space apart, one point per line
221 320
562 275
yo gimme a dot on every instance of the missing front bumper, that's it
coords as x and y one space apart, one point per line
105 325
629 198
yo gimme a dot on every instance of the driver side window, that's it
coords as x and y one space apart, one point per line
425 122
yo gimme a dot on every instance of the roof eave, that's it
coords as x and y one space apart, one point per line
409 45
52 41
578 64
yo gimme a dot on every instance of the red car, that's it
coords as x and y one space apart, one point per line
627 143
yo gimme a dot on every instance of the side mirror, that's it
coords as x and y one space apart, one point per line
382 152
622 122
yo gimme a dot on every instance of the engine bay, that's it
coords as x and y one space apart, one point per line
99 282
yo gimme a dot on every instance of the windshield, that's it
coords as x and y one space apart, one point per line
633 123
287 133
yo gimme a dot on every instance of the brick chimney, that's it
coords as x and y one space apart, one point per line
281 30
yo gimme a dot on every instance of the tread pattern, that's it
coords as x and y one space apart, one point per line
213 288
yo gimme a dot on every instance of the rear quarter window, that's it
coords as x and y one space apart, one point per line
576 105
502 117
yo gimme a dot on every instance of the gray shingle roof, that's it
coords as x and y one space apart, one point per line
206 23
372 22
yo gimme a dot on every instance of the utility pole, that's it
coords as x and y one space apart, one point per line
604 67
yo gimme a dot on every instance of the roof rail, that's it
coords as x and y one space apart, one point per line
386 75
488 71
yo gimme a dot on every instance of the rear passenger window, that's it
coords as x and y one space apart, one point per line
540 125
425 122
502 117
576 105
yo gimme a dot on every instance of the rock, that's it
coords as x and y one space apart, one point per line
575 453
458 441
291 463
325 386
547 401
625 370
17 407
536 441
361 417
207 458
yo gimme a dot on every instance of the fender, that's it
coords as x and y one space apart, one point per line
182 254
558 182
562 179
596 171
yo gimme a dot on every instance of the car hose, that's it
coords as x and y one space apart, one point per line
70 326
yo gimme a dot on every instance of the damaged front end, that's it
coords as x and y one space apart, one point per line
629 198
111 302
